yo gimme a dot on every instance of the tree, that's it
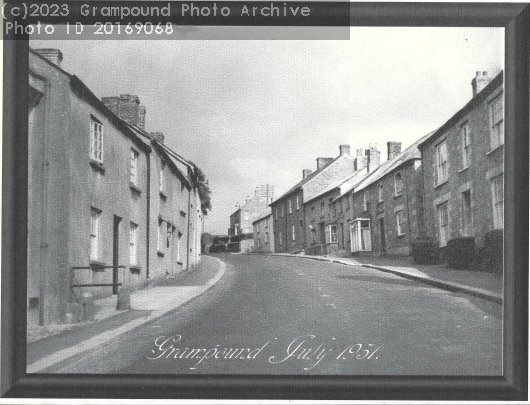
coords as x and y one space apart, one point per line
201 183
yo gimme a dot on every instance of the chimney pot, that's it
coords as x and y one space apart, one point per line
479 82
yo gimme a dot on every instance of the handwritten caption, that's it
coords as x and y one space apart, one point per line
304 349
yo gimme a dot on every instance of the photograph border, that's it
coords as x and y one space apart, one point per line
513 385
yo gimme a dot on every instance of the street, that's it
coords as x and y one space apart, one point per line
283 315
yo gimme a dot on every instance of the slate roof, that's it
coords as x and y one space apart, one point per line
336 184
263 216
411 153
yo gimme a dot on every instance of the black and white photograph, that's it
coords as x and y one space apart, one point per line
233 205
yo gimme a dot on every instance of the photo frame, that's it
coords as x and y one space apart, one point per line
513 385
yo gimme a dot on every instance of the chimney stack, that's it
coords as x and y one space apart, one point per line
306 172
158 136
321 162
394 149
480 81
373 158
55 56
344 149
127 107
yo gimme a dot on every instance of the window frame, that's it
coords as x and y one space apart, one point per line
133 243
466 145
443 228
497 124
380 192
441 167
95 224
398 184
135 158
366 201
467 214
498 212
400 220
96 140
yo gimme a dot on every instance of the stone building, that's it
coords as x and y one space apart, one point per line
242 219
326 229
93 218
264 233
386 205
289 210
463 167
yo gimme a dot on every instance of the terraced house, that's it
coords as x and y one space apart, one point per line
289 210
325 216
463 167
103 213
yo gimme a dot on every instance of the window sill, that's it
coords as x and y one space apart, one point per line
400 236
397 195
179 263
135 189
494 149
440 184
161 254
463 169
97 266
135 269
97 166
163 197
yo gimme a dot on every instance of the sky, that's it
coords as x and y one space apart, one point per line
250 112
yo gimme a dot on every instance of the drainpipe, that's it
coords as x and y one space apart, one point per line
147 226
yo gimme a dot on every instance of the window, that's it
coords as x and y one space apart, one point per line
160 236
290 206
266 237
293 229
276 212
95 215
313 212
297 202
96 141
360 235
267 223
332 233
441 163
398 184
497 190
466 146
443 221
283 210
280 237
257 227
133 243
497 122
332 209
246 216
161 177
169 234
380 192
179 237
466 213
347 202
134 167
339 202
366 202
322 206
313 235
400 219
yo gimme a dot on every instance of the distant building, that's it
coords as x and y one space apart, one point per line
264 233
463 167
289 210
242 219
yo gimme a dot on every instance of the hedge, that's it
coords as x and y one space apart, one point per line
425 251
494 250
460 252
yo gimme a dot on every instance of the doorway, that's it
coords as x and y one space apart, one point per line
382 234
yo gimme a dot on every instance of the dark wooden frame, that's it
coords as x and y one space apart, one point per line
513 385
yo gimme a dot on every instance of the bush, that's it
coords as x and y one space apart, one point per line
425 251
217 248
232 247
460 252
494 250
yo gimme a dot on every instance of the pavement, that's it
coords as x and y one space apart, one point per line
488 286
163 296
